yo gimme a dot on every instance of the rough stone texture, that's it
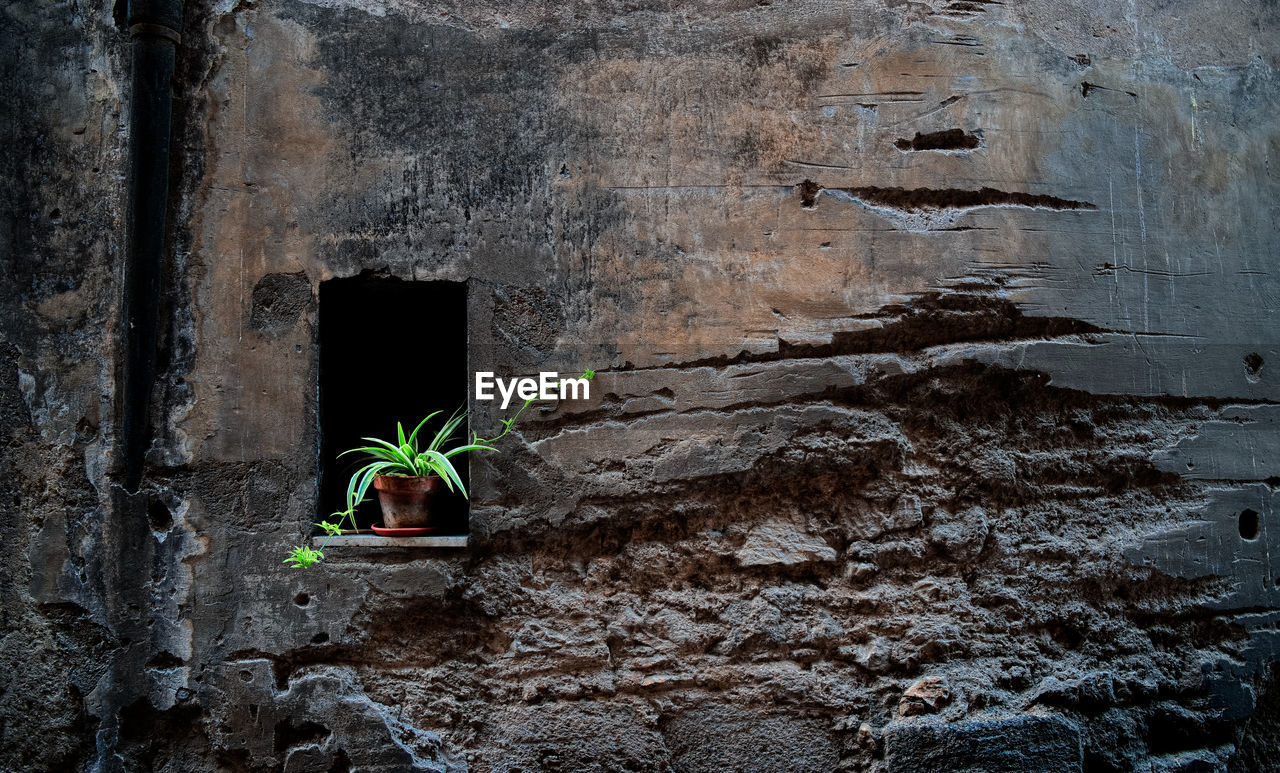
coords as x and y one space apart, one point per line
924 697
710 738
780 543
936 345
278 301
1026 744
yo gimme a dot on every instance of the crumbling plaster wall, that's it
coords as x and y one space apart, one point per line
936 371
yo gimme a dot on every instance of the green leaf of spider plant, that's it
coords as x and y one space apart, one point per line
421 424
397 454
430 466
360 481
446 432
463 449
442 463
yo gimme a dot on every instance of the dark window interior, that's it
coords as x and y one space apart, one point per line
390 351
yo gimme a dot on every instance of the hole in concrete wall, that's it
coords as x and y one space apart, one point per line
341 762
289 735
390 351
1066 635
948 139
1250 526
1252 364
1087 88
159 515
164 660
922 199
302 599
320 638
808 190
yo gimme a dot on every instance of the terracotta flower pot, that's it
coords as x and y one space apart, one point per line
407 501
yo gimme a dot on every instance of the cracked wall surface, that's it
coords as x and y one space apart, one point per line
934 423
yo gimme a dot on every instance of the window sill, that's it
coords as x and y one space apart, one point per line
374 541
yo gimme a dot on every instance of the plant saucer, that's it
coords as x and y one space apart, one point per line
421 531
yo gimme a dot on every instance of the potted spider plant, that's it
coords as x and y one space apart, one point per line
408 479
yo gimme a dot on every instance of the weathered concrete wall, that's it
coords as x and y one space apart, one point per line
935 421
61 162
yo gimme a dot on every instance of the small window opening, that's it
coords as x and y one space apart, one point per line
390 351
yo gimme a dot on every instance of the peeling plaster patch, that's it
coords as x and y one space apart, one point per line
667 447
328 699
1214 544
53 576
1245 445
172 592
1107 363
1231 537
250 221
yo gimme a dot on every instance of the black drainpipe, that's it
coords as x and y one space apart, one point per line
154 26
